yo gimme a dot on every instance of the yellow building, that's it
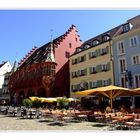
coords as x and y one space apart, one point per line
91 65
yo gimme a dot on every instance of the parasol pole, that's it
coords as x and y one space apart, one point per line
111 103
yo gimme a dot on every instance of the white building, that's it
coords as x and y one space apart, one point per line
4 68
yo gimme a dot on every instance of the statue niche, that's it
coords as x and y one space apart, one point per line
48 83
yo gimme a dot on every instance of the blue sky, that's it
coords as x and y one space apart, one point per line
20 30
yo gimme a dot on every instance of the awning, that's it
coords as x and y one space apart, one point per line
109 91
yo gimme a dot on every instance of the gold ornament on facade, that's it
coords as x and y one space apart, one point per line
48 81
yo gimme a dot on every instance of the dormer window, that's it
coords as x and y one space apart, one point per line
126 27
78 49
86 46
95 42
105 38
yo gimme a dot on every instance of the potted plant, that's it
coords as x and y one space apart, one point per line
27 103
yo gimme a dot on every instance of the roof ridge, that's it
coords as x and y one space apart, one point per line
27 56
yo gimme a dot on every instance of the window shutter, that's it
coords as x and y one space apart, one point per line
78 87
90 70
78 73
85 57
98 83
108 66
97 54
73 61
85 71
72 88
99 68
89 55
94 84
109 81
107 49
72 74
78 59
90 84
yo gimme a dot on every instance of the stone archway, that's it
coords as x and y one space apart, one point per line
21 97
30 93
41 92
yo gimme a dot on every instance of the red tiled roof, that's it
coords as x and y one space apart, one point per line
40 54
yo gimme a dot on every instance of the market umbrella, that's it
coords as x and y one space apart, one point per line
137 90
33 98
42 99
109 91
73 99
49 100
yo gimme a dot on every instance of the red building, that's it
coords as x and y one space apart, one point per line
44 71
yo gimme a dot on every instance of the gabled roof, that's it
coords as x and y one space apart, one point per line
40 54
43 53
109 33
99 37
133 22
3 63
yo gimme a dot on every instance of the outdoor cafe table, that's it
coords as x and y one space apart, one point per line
122 118
32 113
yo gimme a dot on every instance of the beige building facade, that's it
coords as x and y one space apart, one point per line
111 58
91 67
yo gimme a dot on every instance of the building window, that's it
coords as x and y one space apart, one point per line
48 70
104 67
133 41
104 50
74 88
76 39
106 82
136 59
86 46
123 82
92 85
92 70
74 74
137 80
74 61
126 27
105 38
83 72
81 58
79 73
67 54
83 86
122 65
78 49
95 42
92 55
120 47
70 45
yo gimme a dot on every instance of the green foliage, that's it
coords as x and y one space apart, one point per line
63 103
36 103
27 103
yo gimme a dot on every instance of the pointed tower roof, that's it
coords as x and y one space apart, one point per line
14 67
50 55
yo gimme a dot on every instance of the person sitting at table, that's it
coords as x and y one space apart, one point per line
123 109
108 109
